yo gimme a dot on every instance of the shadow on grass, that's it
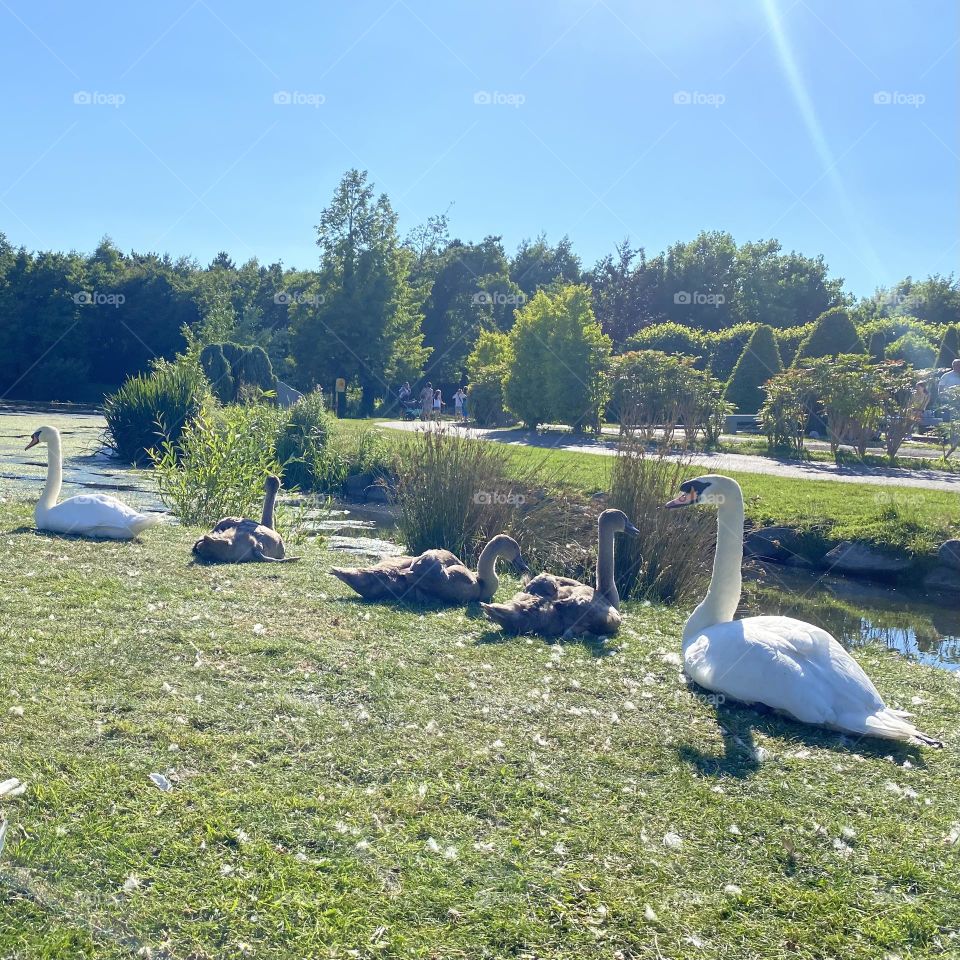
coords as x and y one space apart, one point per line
740 758
79 538
596 646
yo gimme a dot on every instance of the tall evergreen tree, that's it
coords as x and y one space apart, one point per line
833 334
759 362
360 321
949 346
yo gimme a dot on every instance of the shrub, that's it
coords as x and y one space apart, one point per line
219 372
948 432
783 415
645 392
150 409
912 348
218 465
789 340
759 362
949 346
487 368
884 330
903 403
832 334
670 559
852 400
237 372
726 348
672 338
702 408
348 453
559 360
454 493
877 345
301 443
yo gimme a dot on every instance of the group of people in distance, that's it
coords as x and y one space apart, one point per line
431 401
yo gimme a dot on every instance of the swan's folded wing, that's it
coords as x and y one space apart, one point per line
227 523
93 511
454 583
786 664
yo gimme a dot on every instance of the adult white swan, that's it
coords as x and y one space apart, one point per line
791 666
88 515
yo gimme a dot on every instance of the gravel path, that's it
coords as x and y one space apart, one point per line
713 462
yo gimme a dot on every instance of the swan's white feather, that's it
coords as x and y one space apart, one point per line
96 515
795 668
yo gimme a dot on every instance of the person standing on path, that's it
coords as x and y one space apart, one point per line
458 399
426 401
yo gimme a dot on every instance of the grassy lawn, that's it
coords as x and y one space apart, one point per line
351 780
909 519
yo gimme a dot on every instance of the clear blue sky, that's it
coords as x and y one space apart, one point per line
582 134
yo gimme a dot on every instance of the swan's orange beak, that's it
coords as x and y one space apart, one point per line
683 500
34 440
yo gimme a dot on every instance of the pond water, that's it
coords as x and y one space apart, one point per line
921 627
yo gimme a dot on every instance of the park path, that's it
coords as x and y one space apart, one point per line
744 463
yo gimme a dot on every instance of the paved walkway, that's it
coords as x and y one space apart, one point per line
713 462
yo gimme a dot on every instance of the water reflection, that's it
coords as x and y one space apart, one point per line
923 628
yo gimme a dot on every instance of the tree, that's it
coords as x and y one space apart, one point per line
538 265
935 300
487 368
622 292
699 282
560 356
759 362
949 346
471 291
360 320
832 334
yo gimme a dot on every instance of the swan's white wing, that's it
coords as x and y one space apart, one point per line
786 664
97 512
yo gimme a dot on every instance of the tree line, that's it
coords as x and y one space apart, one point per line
380 308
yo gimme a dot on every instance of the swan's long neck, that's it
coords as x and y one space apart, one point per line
487 566
269 502
606 583
723 596
51 491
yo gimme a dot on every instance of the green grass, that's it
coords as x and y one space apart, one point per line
907 519
362 781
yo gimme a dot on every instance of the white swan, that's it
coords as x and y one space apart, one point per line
88 515
793 667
